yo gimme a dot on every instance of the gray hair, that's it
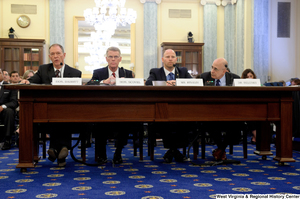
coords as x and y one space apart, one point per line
113 49
62 48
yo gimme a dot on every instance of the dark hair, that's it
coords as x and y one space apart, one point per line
62 48
245 72
14 71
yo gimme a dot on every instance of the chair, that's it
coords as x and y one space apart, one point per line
43 139
136 134
244 131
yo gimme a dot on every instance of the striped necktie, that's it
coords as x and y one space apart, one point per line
57 73
218 83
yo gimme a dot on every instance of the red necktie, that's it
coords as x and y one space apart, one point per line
114 74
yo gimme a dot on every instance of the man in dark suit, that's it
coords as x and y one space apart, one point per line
174 134
162 74
108 75
218 76
218 72
8 104
60 140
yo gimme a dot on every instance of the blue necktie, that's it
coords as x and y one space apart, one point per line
170 76
218 83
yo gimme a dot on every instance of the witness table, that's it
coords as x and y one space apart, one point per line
52 104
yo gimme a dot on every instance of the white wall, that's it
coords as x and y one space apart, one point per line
283 54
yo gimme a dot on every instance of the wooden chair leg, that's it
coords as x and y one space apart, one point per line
83 147
231 149
245 145
203 136
43 136
141 139
184 151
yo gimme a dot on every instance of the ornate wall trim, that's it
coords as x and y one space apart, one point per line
218 2
147 1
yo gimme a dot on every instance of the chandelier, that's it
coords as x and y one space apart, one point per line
105 17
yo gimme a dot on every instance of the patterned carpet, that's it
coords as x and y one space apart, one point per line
147 179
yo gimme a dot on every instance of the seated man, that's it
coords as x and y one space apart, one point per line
108 75
174 134
14 77
60 139
8 104
218 76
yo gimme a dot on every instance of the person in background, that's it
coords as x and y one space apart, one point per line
6 76
249 74
8 104
14 77
295 82
28 74
175 135
60 139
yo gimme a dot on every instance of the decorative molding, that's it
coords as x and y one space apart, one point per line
148 1
218 2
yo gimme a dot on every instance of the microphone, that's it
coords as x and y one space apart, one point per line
61 63
176 70
124 72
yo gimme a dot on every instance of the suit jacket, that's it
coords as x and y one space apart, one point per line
9 97
229 78
102 74
158 74
46 72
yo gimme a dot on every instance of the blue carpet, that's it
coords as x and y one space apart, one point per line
148 179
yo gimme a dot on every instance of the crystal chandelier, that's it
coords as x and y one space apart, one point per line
105 17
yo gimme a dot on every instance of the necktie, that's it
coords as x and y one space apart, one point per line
114 74
170 76
218 83
57 73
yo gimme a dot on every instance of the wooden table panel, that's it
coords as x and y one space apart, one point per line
46 103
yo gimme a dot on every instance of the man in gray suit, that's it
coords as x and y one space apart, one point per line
60 140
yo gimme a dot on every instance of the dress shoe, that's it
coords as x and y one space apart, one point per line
61 159
219 154
117 159
168 157
179 157
61 162
102 160
63 153
6 145
52 154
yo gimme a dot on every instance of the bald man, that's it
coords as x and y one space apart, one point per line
218 76
174 134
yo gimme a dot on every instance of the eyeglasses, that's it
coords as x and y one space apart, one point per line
113 57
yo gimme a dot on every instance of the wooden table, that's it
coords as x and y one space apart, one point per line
50 104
